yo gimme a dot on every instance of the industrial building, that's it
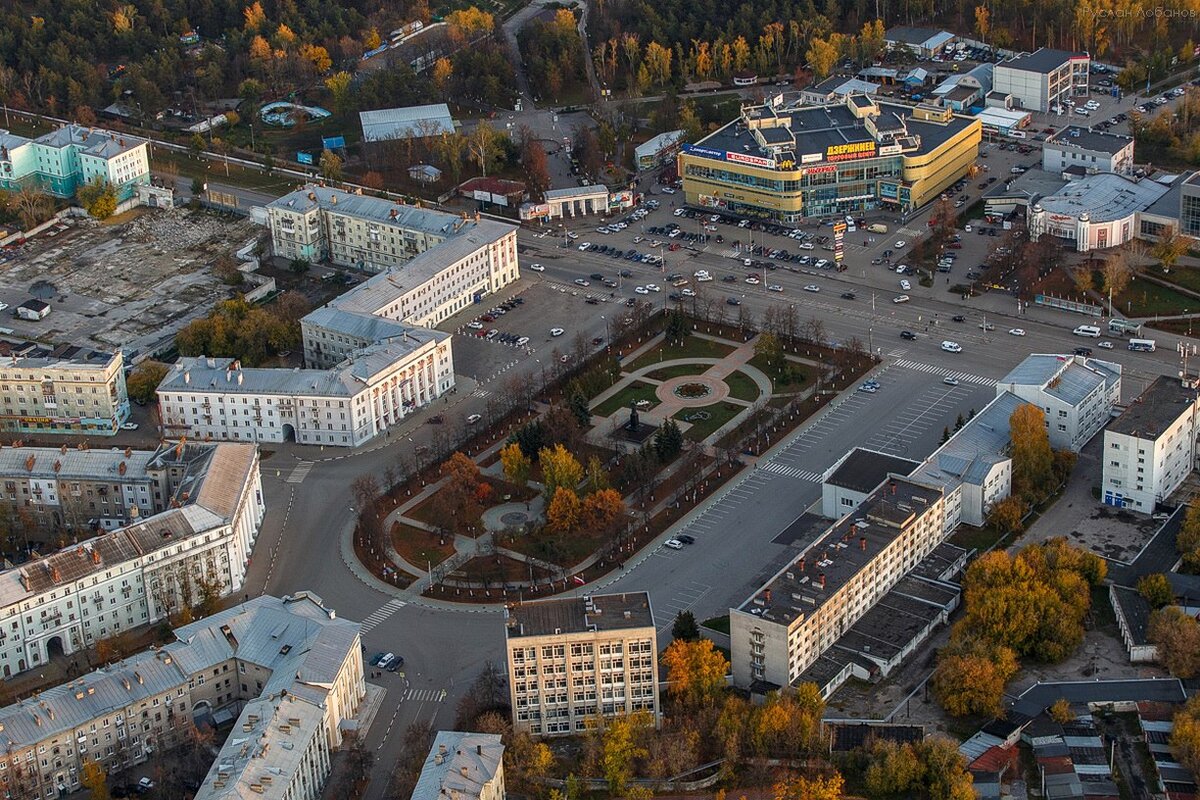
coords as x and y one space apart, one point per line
61 390
411 122
788 163
1045 79
923 42
602 651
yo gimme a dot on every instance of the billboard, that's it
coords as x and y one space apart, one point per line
888 191
810 158
891 150
850 151
304 158
705 152
754 161
839 236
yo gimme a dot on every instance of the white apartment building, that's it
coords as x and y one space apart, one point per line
288 665
785 626
140 573
344 406
572 659
1151 448
64 389
1076 393
462 766
1089 150
1043 79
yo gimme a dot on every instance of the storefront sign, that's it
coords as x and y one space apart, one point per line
888 191
754 161
891 150
839 235
810 158
705 152
850 151
787 163
820 170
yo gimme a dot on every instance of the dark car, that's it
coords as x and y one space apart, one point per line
596 276
397 664
729 279
907 335
959 318
686 538
1083 351
848 295
597 340
626 273
733 301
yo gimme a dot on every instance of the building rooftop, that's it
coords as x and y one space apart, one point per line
381 211
1043 60
1155 409
1168 205
929 38
92 141
36 356
653 146
1071 378
1040 696
862 470
598 612
405 123
971 452
1077 138
459 765
368 327
575 191
804 585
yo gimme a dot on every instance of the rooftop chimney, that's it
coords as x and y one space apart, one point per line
862 543
821 580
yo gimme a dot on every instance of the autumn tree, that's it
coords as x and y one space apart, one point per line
1060 711
339 84
331 165
144 379
537 169
443 72
560 469
516 464
1005 515
1032 458
466 24
98 197
822 57
600 510
94 779
893 769
1185 738
1170 247
695 673
1156 589
1117 271
1188 540
1176 636
970 678
817 787
622 747
563 513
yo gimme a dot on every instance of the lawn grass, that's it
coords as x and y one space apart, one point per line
973 538
692 347
677 370
636 390
786 377
719 414
1187 277
1145 299
742 387
718 624
419 547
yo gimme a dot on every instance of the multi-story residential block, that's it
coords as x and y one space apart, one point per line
1076 393
1089 151
1045 79
210 496
1151 448
462 766
344 406
288 665
573 659
786 625
61 161
64 389
851 480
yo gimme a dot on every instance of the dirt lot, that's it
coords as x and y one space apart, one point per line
125 284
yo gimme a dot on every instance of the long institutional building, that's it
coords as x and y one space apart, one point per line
177 517
61 161
790 162
371 355
63 389
287 668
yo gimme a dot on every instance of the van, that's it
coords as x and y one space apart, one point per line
1087 330
878 227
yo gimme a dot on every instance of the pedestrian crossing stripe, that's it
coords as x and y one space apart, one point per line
480 393
791 472
300 472
426 695
382 613
965 377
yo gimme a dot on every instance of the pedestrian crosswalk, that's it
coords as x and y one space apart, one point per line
382 613
426 695
300 472
965 377
481 392
790 472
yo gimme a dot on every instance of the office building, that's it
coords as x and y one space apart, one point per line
288 665
1151 448
1092 151
64 389
191 513
785 626
788 163
345 406
573 659
1076 393
462 766
1045 79
72 156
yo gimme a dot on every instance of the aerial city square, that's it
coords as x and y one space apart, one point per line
589 399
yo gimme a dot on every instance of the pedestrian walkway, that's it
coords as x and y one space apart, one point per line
381 614
791 472
300 472
425 695
965 377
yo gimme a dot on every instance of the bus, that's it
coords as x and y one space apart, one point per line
1121 327
1142 345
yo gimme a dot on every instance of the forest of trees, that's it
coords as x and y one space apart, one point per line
553 54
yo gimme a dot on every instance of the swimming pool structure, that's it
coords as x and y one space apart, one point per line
283 114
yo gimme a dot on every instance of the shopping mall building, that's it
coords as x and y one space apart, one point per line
787 163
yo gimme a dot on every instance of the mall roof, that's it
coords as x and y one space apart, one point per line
1043 60
580 614
1077 138
405 123
1156 409
1104 197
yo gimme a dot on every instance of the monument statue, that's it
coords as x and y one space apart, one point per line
633 423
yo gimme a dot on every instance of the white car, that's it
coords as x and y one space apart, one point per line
637 239
475 325
705 278
774 287
1105 345
581 282
805 245
668 190
900 244
471 420
524 340
557 331
572 235
950 381
812 287
674 544
678 212
653 287
1017 331
585 246
537 268
952 347
641 290
129 426
822 263
904 284
753 280
688 293
902 298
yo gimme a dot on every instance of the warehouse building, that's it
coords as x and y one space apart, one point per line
788 163
923 42
411 122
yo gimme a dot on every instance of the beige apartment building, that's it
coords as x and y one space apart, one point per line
462 766
66 389
573 659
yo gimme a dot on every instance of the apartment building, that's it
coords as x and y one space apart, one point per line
203 506
289 667
785 626
1076 393
64 389
576 658
462 766
854 476
1151 448
346 406
72 156
1044 79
